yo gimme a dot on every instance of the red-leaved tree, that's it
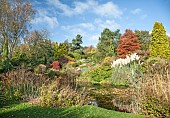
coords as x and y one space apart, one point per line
128 43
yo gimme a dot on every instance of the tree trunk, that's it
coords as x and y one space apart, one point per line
5 47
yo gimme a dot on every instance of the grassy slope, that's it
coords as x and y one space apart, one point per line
25 110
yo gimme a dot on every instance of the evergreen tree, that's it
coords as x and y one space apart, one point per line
76 45
106 45
128 43
144 39
159 46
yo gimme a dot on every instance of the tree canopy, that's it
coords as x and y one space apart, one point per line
159 46
128 43
15 16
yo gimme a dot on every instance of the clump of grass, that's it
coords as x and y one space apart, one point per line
21 84
61 96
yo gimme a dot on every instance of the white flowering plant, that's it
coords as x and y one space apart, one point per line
121 62
125 71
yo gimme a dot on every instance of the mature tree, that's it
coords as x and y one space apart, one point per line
15 16
159 46
128 43
144 39
40 46
76 44
106 44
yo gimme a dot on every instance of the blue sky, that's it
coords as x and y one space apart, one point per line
64 19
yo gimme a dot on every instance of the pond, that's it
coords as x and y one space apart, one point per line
110 97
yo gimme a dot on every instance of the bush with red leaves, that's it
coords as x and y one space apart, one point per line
128 43
55 65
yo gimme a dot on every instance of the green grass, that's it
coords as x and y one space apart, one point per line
25 110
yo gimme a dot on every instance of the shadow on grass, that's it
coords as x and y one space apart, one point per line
25 110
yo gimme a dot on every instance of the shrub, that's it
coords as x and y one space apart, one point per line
77 56
100 73
5 66
55 65
52 73
107 61
40 69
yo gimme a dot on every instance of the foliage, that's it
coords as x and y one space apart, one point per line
21 84
159 46
106 44
60 50
54 96
107 61
19 59
144 39
5 66
99 73
55 65
128 43
52 73
40 48
89 52
127 71
76 44
77 56
40 69
155 107
14 21
154 92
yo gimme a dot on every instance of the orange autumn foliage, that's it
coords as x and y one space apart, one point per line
128 43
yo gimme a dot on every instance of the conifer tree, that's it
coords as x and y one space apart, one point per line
159 46
128 43
106 45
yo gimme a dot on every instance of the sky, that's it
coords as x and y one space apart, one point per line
64 19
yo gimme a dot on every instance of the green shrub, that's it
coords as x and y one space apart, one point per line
77 56
154 106
52 73
100 73
5 66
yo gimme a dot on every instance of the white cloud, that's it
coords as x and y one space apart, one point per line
168 34
66 9
139 12
111 24
43 18
80 7
136 11
106 9
82 26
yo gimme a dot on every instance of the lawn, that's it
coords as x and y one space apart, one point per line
25 110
